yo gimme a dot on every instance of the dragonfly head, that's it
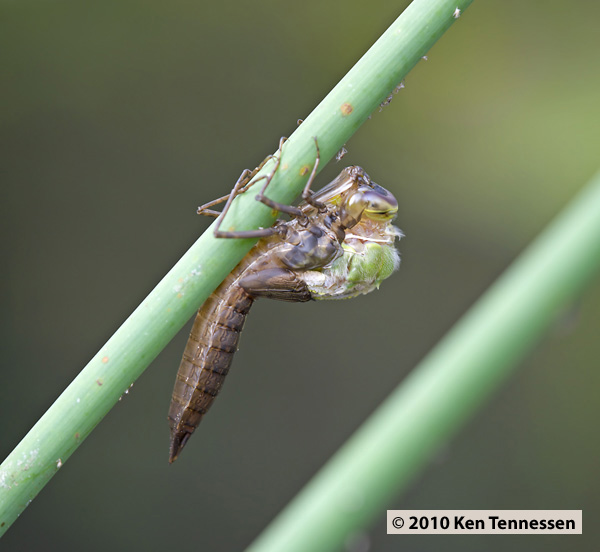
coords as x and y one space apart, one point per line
379 204
369 201
355 197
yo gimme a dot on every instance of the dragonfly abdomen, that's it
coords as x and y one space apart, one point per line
206 360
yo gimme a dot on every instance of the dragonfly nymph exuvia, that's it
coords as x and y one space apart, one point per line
338 243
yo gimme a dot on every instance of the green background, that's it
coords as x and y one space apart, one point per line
119 118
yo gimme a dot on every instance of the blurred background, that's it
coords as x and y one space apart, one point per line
119 118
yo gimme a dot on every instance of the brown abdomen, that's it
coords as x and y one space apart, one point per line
208 354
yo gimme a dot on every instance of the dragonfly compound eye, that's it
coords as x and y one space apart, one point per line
379 204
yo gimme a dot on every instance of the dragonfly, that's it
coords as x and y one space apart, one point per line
339 243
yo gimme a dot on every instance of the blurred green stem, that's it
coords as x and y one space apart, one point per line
480 351
145 333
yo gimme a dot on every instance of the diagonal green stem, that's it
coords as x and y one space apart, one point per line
166 309
482 349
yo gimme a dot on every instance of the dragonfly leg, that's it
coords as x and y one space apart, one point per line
307 192
205 209
281 207
242 184
237 234
240 187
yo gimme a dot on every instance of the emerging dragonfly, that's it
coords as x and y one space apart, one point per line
338 244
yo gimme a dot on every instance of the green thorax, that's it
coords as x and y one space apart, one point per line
368 257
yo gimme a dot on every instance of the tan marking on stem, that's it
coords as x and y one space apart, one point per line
346 108
104 360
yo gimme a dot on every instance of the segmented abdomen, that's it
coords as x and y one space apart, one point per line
206 360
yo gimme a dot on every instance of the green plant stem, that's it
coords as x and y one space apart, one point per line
480 351
166 309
